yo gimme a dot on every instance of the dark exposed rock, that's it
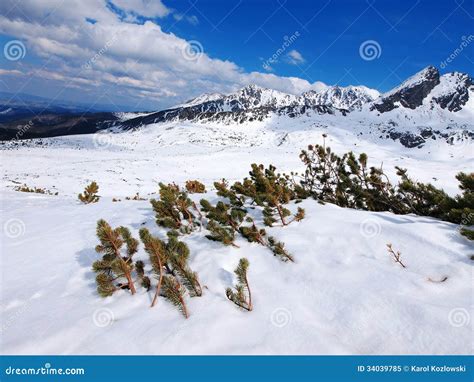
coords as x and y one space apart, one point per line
411 93
458 94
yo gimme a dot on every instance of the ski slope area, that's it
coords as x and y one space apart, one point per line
343 295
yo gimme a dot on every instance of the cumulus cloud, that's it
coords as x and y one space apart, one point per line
295 57
140 58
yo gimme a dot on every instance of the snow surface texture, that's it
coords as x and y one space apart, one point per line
342 296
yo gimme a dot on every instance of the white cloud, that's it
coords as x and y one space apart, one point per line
14 72
140 58
148 8
295 57
193 20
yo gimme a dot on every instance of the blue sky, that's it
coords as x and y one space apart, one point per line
146 54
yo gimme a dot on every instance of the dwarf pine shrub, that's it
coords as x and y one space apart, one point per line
35 190
270 190
253 234
241 295
347 181
223 190
90 194
154 248
174 292
145 281
114 270
169 259
173 210
224 221
195 187
467 233
178 255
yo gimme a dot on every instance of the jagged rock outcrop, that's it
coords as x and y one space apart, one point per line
411 93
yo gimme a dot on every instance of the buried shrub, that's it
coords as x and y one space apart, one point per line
169 260
178 255
90 194
467 233
155 250
270 190
224 221
36 190
258 235
348 182
114 270
173 210
144 280
241 296
174 292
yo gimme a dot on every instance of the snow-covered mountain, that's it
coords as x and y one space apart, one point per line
255 97
425 91
428 90
427 106
347 98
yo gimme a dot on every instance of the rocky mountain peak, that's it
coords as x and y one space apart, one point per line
411 93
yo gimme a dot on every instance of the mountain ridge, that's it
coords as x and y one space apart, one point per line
426 105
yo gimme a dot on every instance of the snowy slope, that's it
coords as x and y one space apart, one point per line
340 297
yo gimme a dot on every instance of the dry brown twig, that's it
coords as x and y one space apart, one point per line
396 255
